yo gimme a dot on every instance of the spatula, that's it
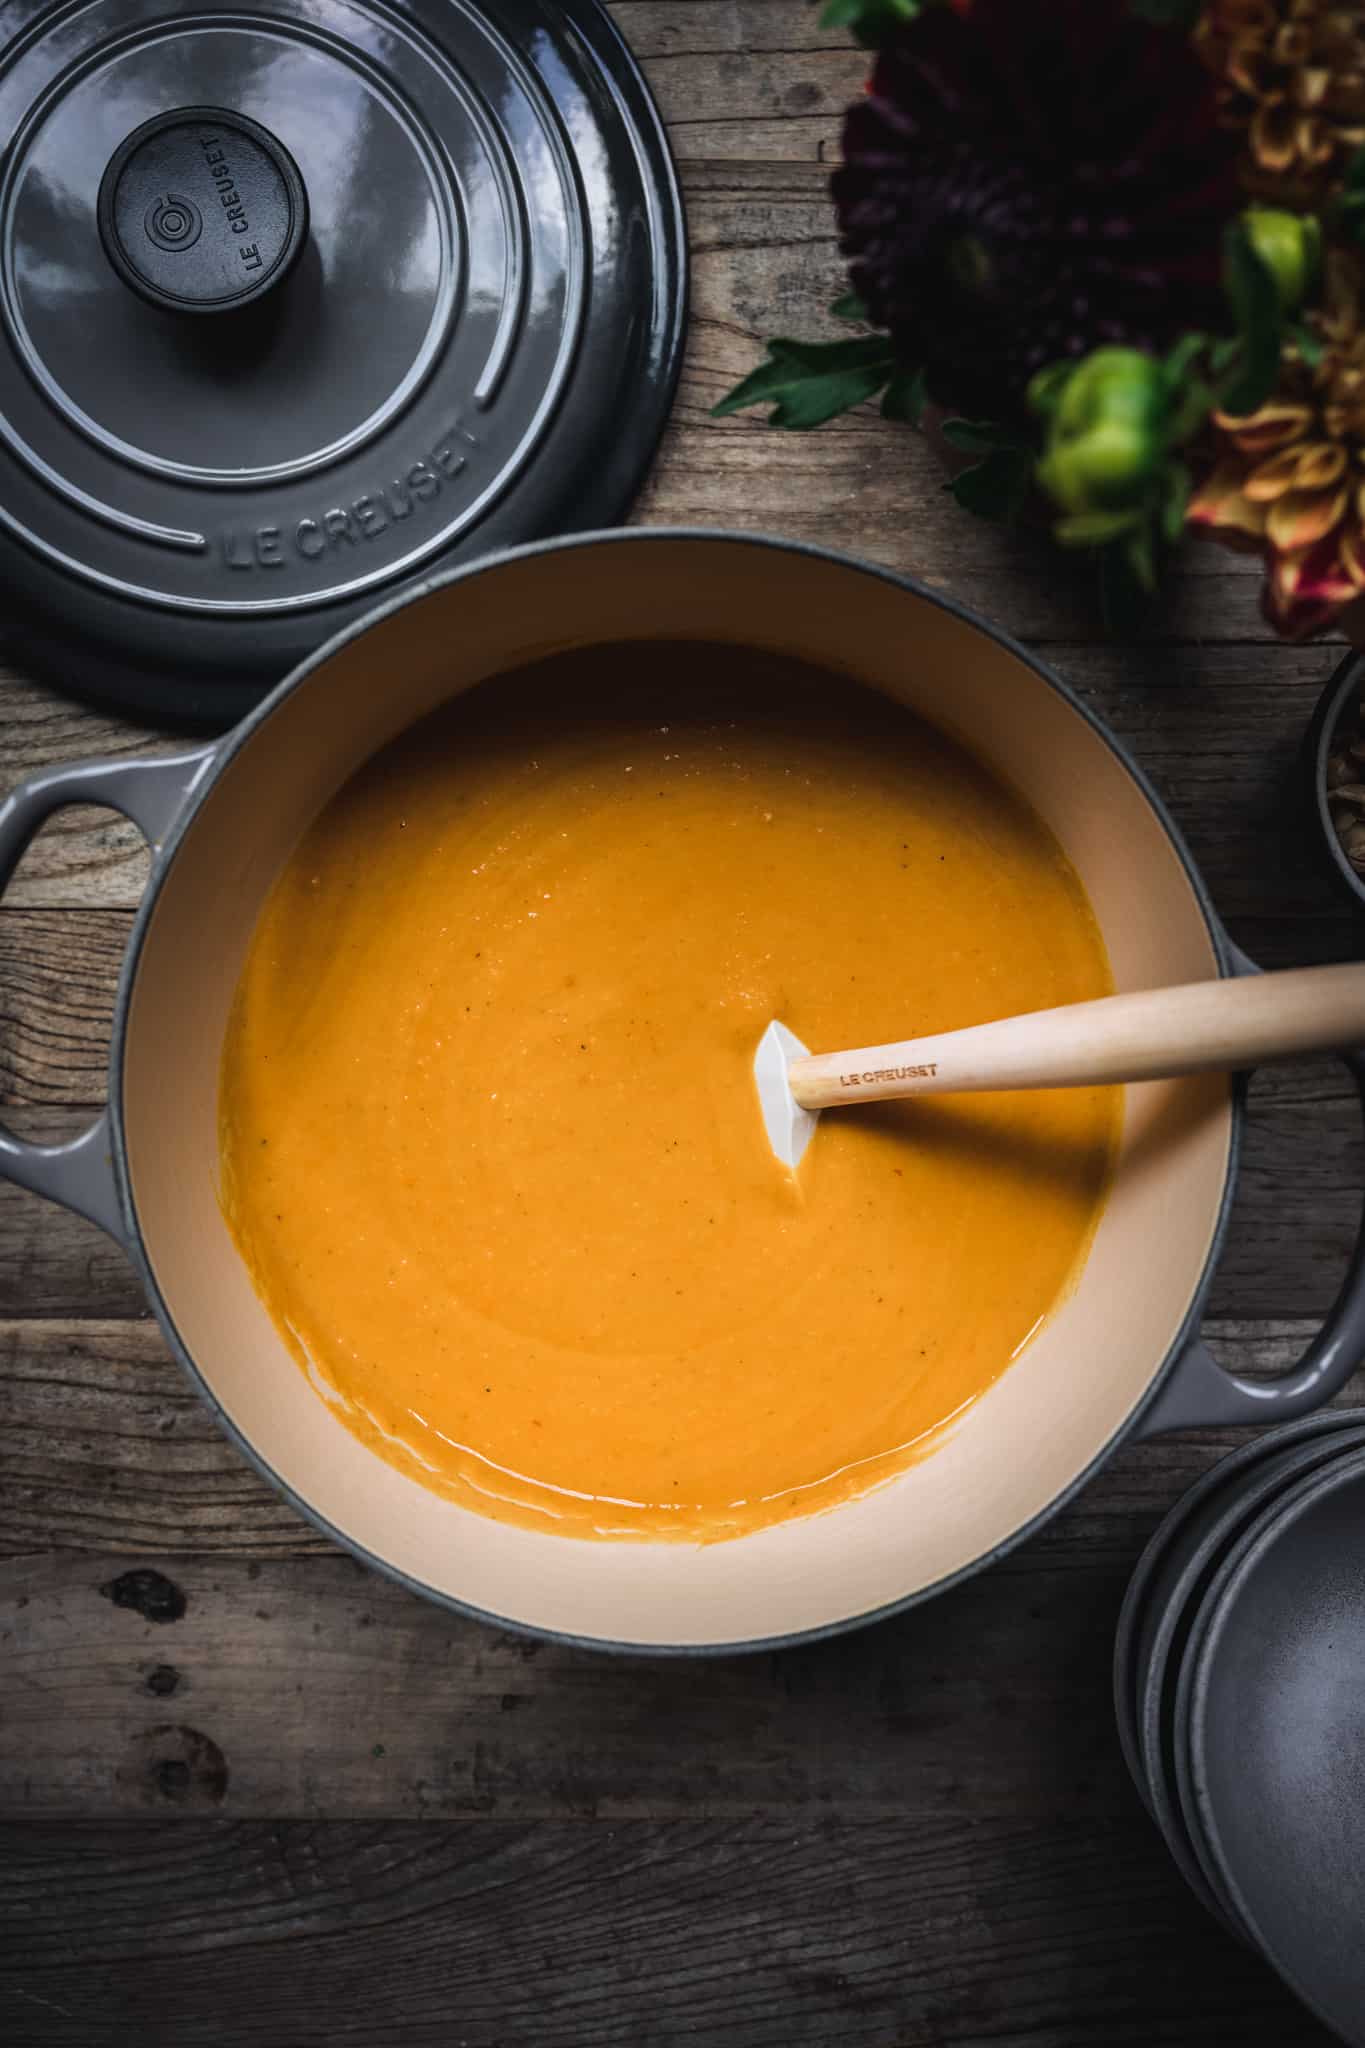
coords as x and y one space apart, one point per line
1155 1034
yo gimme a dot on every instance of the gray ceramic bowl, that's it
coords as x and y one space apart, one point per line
1347 681
1276 1742
1200 1617
1218 1482
1190 1563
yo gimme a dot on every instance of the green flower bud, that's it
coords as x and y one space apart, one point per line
1045 386
1290 246
1106 434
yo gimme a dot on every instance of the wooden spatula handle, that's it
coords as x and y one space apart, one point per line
1156 1033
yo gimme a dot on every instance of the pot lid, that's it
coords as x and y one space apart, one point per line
299 297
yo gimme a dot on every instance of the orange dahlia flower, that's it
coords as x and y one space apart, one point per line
1289 479
1292 74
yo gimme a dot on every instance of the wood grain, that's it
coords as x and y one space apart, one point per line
58 976
757 81
680 29
312 1687
104 1442
812 1933
54 1263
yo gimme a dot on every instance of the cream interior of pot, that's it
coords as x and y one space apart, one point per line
1037 1429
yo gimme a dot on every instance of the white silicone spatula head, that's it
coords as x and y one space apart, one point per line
789 1127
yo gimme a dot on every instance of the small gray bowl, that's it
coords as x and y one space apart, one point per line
1276 1740
1187 1571
1226 1474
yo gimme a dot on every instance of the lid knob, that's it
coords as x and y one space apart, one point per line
202 210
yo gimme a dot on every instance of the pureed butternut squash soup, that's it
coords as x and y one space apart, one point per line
490 1140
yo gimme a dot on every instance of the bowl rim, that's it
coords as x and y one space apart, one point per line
1276 1522
1227 1472
1348 675
226 750
1256 1490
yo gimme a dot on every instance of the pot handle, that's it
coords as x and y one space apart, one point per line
1199 1393
80 1173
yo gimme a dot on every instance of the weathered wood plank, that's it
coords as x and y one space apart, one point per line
59 971
744 28
51 1262
105 1446
313 1688
758 1934
755 81
83 856
104 1442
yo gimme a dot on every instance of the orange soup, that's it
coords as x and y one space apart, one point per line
490 1141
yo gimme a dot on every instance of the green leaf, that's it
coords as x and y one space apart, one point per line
976 437
1046 385
904 397
1177 364
1222 355
1094 529
984 437
1167 13
995 487
1175 497
1190 411
1311 350
1260 322
809 382
870 20
850 307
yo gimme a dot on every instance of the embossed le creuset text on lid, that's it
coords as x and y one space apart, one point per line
298 300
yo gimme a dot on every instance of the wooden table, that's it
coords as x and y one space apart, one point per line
312 1809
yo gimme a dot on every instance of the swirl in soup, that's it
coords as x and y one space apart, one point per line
490 1142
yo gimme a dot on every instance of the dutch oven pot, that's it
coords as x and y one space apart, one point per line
1120 1358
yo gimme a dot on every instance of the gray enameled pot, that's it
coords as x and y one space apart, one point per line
1120 1357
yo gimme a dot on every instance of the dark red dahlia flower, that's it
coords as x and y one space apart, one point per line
1027 179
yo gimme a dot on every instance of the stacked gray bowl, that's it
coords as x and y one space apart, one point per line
1239 1683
